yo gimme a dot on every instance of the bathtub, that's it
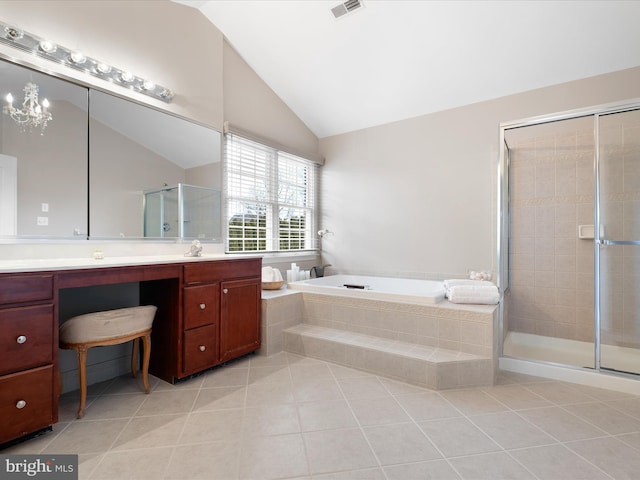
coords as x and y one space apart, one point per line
403 290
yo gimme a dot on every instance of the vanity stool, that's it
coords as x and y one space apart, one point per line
109 327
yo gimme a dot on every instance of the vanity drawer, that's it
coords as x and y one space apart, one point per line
201 305
27 337
203 272
26 400
25 288
200 348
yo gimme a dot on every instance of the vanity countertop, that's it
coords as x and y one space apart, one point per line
44 264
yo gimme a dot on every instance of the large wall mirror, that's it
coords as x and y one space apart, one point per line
104 168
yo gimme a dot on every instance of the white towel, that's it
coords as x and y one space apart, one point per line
270 274
455 282
482 295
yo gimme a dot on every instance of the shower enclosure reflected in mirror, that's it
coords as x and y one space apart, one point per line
135 149
182 211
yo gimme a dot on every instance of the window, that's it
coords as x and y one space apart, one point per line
270 198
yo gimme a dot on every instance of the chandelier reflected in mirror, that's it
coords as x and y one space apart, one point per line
32 114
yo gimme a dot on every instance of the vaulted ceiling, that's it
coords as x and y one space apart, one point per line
395 59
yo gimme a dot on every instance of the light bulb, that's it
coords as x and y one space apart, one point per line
9 98
104 68
148 85
127 76
78 57
45 103
47 46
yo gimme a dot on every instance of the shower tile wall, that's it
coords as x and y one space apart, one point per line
551 270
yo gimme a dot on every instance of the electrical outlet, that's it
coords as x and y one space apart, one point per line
42 221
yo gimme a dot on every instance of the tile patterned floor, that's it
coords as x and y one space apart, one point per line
292 417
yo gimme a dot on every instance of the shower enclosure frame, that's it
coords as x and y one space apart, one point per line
503 221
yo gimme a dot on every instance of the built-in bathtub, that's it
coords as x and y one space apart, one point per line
401 328
403 290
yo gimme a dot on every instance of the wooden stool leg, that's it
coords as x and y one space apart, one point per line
146 345
134 357
82 373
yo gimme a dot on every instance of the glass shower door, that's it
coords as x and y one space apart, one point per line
618 241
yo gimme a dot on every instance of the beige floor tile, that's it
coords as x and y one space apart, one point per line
146 464
153 431
220 398
557 462
629 406
87 463
317 370
270 374
87 437
378 411
216 426
493 466
271 420
315 389
400 443
427 406
517 397
601 393
396 387
611 455
605 417
168 402
560 393
267 361
561 424
367 474
273 457
206 461
631 439
186 384
473 402
325 415
269 394
340 371
360 387
114 406
510 431
457 436
338 450
514 378
226 377
433 470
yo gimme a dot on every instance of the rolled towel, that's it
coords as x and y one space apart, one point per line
455 282
481 295
268 274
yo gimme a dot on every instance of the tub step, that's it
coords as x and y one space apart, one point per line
430 367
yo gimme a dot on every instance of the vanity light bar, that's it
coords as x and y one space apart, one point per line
18 38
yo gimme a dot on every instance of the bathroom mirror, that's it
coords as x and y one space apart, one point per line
135 149
43 173
86 173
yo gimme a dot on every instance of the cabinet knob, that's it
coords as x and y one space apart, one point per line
21 339
202 348
225 290
202 306
21 404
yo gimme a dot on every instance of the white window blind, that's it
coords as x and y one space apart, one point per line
270 198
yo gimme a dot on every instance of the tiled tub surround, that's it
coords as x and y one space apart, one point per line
439 346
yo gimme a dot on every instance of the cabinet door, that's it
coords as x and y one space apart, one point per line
239 318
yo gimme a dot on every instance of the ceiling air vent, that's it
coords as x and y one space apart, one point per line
346 7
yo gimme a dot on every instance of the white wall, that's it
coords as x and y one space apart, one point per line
417 197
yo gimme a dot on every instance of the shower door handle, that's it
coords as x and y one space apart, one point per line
619 242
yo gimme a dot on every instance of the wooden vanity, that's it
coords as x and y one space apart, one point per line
208 313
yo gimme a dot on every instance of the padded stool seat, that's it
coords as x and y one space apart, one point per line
109 327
